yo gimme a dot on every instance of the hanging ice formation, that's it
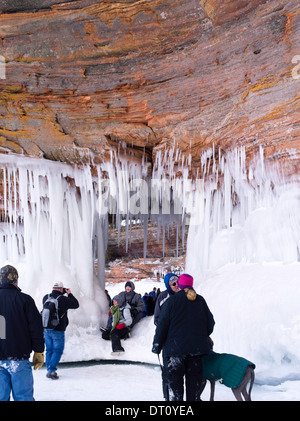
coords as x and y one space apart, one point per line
54 220
251 213
55 217
47 222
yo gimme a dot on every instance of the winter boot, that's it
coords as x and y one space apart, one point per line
118 352
52 376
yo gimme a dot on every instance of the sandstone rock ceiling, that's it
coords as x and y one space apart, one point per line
84 76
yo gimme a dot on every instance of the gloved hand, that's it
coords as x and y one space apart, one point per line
38 360
120 326
156 348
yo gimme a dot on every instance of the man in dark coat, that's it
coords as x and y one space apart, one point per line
21 333
184 325
55 338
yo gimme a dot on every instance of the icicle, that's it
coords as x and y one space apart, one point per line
248 218
239 212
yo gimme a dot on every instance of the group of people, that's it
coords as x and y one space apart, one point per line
126 311
23 333
128 307
183 325
150 300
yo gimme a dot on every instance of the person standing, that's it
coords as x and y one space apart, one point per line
55 338
170 281
22 333
182 333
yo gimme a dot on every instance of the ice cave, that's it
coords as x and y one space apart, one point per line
164 116
55 223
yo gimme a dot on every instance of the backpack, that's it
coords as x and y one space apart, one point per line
49 313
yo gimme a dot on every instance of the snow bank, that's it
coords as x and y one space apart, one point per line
256 310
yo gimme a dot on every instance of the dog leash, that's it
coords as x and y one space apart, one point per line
166 385
160 362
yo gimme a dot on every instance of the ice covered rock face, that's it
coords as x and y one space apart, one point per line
56 216
83 77
165 91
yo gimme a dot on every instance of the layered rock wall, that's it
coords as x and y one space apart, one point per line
84 76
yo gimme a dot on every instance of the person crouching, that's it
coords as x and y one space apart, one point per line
118 326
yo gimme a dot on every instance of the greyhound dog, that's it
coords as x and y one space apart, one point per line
238 391
224 367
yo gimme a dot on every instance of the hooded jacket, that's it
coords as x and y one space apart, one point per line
163 296
23 324
125 317
184 325
134 299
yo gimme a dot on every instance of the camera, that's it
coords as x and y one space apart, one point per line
65 290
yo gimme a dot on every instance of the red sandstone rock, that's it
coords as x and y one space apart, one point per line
83 76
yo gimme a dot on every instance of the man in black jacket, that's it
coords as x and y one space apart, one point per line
55 338
21 333
184 325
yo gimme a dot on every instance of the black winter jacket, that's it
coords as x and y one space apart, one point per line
184 326
64 304
160 301
23 324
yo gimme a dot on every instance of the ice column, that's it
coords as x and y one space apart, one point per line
250 213
48 226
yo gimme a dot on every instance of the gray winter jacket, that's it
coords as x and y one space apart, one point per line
134 299
125 317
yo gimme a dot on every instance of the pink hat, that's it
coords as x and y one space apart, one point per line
185 281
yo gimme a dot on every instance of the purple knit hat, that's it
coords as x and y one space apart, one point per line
185 281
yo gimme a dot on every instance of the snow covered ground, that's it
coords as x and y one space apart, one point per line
244 214
114 382
257 315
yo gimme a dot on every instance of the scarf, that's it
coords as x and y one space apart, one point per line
115 311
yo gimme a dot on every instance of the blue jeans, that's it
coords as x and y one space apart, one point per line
55 343
16 377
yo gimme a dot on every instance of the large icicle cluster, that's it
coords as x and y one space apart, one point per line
55 217
47 220
250 213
